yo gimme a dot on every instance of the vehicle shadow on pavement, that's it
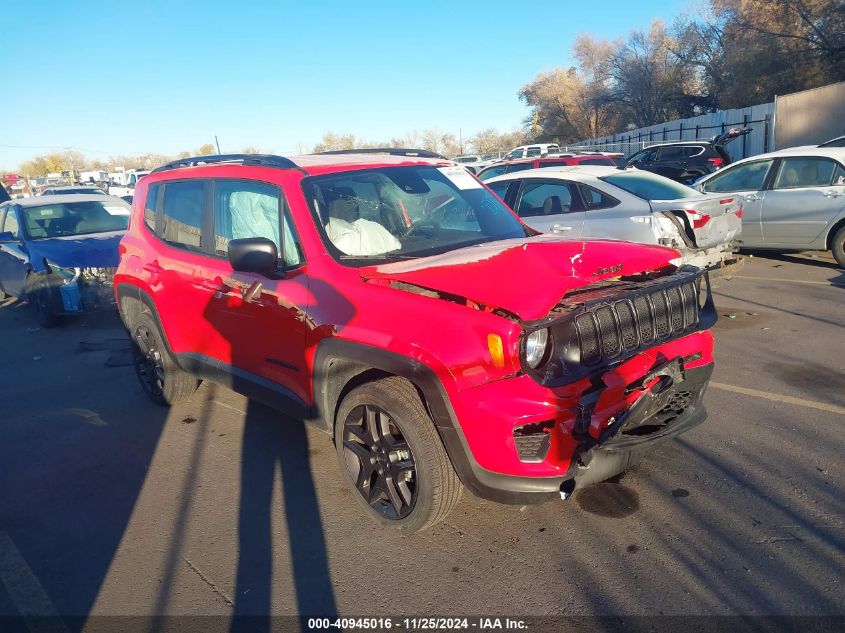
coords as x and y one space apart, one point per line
271 441
795 258
73 461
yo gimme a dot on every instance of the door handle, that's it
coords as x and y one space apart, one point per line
833 194
752 197
214 285
559 228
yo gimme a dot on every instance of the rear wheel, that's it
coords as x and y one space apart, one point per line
164 382
393 457
837 246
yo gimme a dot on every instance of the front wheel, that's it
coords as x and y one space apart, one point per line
42 299
837 247
164 382
393 457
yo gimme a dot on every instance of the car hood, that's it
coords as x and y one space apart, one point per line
526 277
98 250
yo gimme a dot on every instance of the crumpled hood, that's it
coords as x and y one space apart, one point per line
77 251
527 276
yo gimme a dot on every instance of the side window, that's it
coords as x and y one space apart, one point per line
644 156
501 188
693 150
804 172
673 152
533 151
518 167
10 225
252 209
745 177
492 172
595 199
150 207
182 214
839 176
543 198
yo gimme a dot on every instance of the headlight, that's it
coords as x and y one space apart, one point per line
68 275
536 345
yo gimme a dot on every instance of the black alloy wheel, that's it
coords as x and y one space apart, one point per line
149 364
380 462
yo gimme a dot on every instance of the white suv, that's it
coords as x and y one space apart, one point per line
528 151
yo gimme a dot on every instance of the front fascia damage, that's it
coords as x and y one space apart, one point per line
78 289
565 362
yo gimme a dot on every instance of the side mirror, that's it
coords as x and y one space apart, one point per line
8 236
254 255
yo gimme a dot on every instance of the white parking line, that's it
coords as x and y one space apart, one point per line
30 599
776 397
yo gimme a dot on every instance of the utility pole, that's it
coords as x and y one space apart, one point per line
461 140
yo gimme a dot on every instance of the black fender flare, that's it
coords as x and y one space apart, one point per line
337 362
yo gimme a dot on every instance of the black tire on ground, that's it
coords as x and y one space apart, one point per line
164 382
392 456
42 300
837 246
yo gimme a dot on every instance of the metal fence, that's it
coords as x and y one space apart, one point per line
700 128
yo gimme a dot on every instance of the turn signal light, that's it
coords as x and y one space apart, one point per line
497 350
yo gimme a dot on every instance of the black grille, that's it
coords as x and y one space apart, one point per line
606 330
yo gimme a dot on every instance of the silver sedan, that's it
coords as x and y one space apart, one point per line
794 198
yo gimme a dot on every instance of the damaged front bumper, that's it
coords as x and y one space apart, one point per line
77 290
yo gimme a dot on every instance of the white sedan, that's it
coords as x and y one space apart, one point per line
583 202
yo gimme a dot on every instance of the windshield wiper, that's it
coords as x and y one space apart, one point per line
390 257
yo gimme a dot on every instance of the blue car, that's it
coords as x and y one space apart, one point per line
60 252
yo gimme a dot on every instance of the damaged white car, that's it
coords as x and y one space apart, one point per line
583 202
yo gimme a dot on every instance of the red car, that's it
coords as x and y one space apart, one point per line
510 166
401 307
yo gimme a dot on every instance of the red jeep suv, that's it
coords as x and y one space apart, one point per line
396 303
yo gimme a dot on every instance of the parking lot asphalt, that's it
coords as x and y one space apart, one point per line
112 505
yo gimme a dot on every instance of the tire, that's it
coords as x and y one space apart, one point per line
837 246
396 465
164 382
42 299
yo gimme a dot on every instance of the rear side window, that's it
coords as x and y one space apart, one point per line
252 209
795 173
150 207
533 151
598 161
673 152
544 198
182 214
595 199
744 177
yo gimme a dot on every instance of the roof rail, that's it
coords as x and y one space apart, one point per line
262 160
393 151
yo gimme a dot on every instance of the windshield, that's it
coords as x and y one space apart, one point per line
406 212
649 186
75 218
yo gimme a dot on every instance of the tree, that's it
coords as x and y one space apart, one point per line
333 142
206 150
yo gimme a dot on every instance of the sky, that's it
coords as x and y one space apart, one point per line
163 77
